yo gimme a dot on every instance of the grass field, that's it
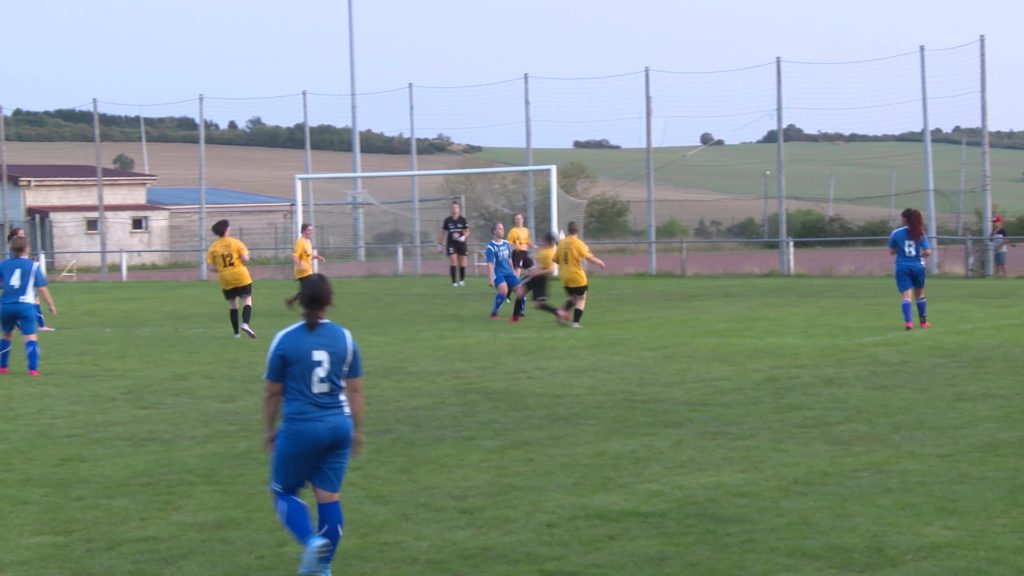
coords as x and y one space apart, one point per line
706 426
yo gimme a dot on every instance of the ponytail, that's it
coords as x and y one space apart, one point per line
915 223
315 295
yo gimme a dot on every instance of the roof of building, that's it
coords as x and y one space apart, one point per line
172 196
17 172
46 210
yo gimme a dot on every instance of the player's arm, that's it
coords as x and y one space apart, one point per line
45 293
465 233
271 407
595 260
440 239
926 247
354 392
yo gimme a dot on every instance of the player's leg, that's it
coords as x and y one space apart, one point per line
40 320
501 294
922 301
520 302
453 264
905 286
292 465
327 482
462 264
580 305
5 342
229 295
247 311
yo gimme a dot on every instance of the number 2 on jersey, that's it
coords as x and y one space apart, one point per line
319 383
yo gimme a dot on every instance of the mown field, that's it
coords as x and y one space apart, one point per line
712 426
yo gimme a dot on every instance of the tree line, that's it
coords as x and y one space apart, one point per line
70 125
973 136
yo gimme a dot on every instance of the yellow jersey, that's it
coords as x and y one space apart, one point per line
570 254
519 238
226 254
546 258
304 252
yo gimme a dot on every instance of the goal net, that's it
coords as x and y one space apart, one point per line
380 223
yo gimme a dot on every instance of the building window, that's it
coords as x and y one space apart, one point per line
140 223
92 225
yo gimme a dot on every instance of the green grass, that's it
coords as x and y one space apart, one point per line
706 426
862 169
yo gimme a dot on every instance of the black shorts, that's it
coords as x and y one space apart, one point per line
576 290
521 259
303 280
538 286
239 292
458 248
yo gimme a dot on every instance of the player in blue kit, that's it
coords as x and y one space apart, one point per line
910 246
22 278
315 379
40 320
501 273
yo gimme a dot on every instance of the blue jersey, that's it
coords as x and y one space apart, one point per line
908 250
313 366
21 277
499 253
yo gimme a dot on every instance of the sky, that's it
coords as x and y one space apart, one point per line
156 57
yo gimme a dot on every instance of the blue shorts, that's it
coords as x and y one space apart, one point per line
511 279
909 276
18 314
1000 259
316 452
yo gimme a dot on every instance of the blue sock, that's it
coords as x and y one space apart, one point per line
40 321
922 309
498 301
330 525
5 352
294 515
32 352
906 311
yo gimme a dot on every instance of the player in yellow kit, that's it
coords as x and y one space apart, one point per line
228 256
302 258
537 278
519 238
569 256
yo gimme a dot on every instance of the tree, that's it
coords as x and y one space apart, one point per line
706 139
124 162
607 216
232 125
671 229
254 123
575 179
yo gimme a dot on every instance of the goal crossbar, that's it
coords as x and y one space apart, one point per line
551 169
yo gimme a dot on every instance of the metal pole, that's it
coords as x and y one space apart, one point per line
357 208
986 165
764 212
145 149
202 190
100 224
652 253
309 164
780 168
3 173
929 176
963 186
831 194
414 164
892 198
530 192
553 182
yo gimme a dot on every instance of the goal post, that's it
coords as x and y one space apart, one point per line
465 190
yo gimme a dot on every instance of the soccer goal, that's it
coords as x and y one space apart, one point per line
360 217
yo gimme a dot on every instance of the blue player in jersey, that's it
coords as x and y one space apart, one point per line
314 370
910 246
40 320
501 273
22 277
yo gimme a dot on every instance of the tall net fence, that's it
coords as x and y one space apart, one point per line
854 154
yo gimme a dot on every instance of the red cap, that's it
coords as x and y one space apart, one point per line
997 219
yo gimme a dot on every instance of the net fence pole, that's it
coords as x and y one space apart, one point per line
3 173
297 209
414 164
202 190
309 163
963 187
553 183
100 224
892 198
986 162
145 147
780 168
357 208
530 223
929 172
652 252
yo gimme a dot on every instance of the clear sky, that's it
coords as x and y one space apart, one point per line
63 53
